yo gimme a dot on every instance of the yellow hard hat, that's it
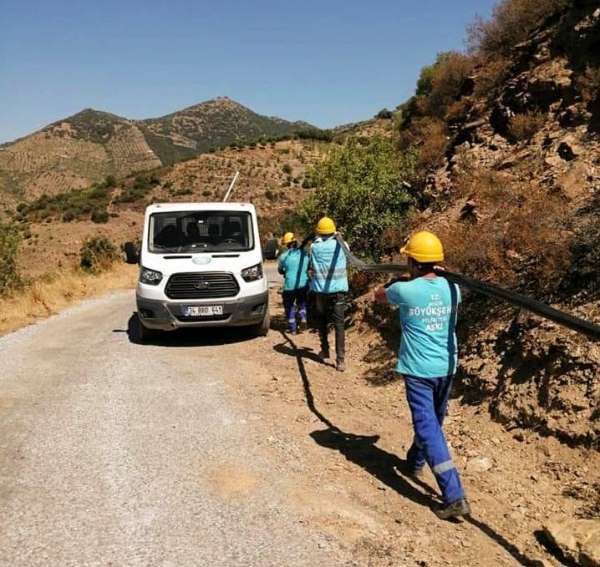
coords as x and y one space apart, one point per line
287 238
325 226
424 247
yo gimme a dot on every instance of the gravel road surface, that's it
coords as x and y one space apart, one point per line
113 453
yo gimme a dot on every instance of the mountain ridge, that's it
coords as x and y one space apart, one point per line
78 150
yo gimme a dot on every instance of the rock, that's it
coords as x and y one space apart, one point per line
469 212
571 181
569 148
578 540
553 161
479 464
574 115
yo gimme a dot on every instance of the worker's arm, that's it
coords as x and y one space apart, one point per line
381 293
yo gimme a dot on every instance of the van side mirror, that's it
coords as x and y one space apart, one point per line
132 254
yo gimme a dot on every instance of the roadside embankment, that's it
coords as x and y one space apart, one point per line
47 295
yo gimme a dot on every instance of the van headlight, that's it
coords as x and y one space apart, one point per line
252 273
150 277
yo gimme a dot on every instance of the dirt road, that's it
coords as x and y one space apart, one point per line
213 448
115 453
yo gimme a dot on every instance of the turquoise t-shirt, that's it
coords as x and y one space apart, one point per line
293 264
428 309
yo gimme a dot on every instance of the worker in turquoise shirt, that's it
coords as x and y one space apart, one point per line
329 283
428 306
293 265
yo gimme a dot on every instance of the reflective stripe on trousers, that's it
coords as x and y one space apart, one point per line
294 303
428 400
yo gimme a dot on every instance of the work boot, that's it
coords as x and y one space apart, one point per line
340 366
323 355
411 471
303 325
453 510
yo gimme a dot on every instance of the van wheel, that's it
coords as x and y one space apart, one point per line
262 329
132 255
143 334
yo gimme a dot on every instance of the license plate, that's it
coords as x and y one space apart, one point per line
202 310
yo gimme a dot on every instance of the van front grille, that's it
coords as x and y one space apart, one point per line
202 285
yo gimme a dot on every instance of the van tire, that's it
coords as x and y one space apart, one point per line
143 334
132 255
262 329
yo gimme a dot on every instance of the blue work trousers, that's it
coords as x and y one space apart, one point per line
294 303
428 401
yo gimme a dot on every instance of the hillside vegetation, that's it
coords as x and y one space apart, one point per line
274 176
87 147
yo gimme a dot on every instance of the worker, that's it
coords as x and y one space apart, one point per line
428 306
329 283
293 265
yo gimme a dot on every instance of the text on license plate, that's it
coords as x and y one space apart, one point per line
202 310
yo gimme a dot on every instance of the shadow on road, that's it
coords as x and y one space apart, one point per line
208 336
386 467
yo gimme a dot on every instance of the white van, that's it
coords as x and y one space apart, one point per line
201 265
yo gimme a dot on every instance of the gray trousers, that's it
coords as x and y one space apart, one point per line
331 308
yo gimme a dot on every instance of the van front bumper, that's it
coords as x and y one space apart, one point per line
168 315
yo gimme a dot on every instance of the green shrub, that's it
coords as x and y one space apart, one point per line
9 249
287 168
360 187
314 134
97 254
99 217
384 114
270 195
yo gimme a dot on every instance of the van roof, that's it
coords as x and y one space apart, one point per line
157 207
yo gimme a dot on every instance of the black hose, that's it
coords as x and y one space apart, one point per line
575 323
582 326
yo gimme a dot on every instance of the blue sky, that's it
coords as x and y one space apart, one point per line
325 61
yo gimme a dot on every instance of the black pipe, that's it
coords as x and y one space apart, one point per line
582 326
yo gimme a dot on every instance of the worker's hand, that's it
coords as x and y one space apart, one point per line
380 296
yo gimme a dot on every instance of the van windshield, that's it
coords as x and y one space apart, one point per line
200 231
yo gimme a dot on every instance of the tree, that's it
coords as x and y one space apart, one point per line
360 187
9 247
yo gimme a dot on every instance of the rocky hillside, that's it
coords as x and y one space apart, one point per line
91 145
513 186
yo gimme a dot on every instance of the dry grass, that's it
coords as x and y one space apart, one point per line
511 22
520 237
428 135
525 126
47 296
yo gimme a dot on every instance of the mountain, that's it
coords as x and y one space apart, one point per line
87 147
209 125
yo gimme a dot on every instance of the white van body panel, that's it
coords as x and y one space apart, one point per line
158 309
